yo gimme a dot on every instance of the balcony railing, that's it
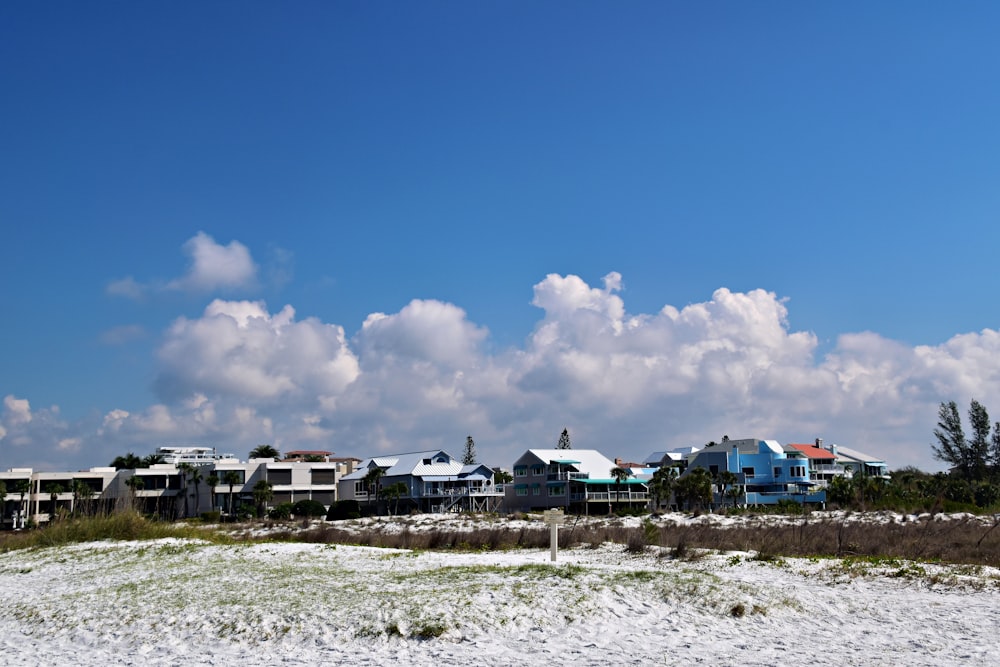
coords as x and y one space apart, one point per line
622 497
566 475
462 491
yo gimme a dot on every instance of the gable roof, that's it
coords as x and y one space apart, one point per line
418 464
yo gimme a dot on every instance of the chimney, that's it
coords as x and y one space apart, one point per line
819 443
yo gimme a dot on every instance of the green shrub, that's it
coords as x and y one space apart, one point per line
282 511
211 517
344 509
308 508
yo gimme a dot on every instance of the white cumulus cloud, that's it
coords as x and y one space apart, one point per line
623 382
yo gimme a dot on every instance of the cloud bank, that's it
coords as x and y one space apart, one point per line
624 383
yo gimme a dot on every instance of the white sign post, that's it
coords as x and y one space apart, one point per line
554 518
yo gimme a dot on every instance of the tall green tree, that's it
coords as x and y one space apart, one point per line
619 474
263 493
970 459
661 486
213 481
54 491
135 484
469 455
393 493
128 461
695 487
564 440
372 482
21 487
82 494
232 478
727 480
195 478
265 452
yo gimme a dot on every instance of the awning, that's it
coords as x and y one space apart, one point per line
440 478
565 461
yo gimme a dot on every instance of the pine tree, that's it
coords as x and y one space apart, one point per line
970 458
469 457
564 440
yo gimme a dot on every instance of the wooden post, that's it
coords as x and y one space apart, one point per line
553 518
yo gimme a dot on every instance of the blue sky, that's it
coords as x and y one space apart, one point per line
519 190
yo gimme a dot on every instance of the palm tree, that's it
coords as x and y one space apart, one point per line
727 480
151 459
265 452
695 487
54 491
195 477
21 487
372 478
135 484
81 492
663 483
263 492
127 462
232 478
213 481
618 474
393 492
184 469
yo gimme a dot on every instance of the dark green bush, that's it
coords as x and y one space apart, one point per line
281 511
308 508
344 509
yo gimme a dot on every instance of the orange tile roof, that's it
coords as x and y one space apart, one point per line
814 452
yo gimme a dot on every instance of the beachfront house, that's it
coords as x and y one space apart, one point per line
428 481
830 461
577 480
765 471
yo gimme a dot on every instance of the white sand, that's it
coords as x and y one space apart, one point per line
173 602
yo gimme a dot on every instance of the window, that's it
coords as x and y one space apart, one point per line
520 471
360 488
536 490
557 490
798 471
241 477
713 470
279 476
537 470
521 490
324 476
777 472
748 473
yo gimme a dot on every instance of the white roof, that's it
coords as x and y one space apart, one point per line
434 462
857 456
590 460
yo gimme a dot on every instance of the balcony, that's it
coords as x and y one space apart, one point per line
452 492
566 476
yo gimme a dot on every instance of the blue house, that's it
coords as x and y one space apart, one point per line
766 471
